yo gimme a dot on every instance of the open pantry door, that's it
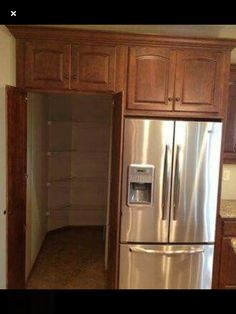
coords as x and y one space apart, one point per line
16 185
113 219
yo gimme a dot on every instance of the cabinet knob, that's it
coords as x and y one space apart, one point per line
177 98
170 98
74 77
66 77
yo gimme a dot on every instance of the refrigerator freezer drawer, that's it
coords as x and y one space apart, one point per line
166 266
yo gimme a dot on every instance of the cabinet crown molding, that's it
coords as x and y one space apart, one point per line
77 35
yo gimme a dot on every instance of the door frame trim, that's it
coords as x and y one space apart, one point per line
10 172
9 127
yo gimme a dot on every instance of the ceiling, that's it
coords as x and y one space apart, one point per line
221 31
213 31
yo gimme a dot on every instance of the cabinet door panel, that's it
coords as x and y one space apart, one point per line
198 84
93 68
47 64
150 78
228 262
229 228
230 132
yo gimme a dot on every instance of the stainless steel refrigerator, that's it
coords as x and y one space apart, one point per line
169 203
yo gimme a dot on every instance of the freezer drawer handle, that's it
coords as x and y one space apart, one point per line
176 252
165 185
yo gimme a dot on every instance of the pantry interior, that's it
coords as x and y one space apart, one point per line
69 140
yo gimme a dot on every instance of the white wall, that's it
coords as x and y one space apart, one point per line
59 164
37 171
229 186
91 140
7 76
85 195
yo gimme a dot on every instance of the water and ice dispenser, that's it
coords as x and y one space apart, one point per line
140 184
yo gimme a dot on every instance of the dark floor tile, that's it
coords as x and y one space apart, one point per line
72 258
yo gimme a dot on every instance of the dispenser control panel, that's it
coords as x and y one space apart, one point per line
140 185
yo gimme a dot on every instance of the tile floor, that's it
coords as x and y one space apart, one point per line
71 258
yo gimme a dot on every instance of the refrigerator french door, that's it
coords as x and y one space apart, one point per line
169 200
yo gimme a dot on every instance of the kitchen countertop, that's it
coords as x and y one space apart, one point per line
228 209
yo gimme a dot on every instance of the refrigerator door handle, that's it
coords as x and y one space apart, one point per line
176 185
160 252
165 185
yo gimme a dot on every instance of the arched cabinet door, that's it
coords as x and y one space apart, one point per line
151 74
199 81
93 67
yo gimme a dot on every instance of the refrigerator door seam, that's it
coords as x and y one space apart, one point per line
171 178
165 186
176 185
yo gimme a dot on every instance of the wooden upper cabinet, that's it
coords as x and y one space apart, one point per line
230 132
150 78
93 68
182 77
187 80
198 81
47 64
